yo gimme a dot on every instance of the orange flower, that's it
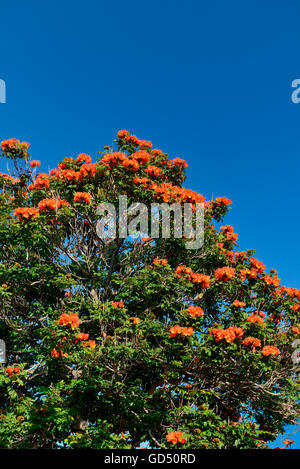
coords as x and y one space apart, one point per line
41 182
228 232
83 158
257 265
118 304
175 437
157 152
90 343
295 330
145 144
157 261
229 334
82 336
182 269
180 163
122 133
114 159
225 273
70 319
195 311
153 171
132 165
238 304
51 204
272 280
13 144
132 139
82 197
142 156
185 331
288 443
256 318
201 279
10 370
270 350
223 201
88 170
134 320
249 274
252 342
54 353
25 214
174 330
35 163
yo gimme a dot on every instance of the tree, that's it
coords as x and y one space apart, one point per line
112 343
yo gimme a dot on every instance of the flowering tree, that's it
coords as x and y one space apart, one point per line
116 342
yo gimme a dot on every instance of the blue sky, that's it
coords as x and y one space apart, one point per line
206 81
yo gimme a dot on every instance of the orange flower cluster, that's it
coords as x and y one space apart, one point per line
56 354
291 292
222 201
81 336
296 330
113 159
118 304
272 280
248 274
26 213
70 319
180 163
131 165
175 437
141 156
229 334
156 152
195 311
9 178
41 182
228 232
153 171
252 342
185 331
119 158
65 174
257 265
134 320
89 343
10 370
182 270
238 304
168 192
157 261
13 144
51 204
201 279
133 140
225 273
82 197
257 317
270 350
35 163
288 443
87 170
83 158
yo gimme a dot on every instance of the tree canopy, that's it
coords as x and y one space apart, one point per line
122 343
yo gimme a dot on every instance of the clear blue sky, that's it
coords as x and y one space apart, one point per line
206 81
